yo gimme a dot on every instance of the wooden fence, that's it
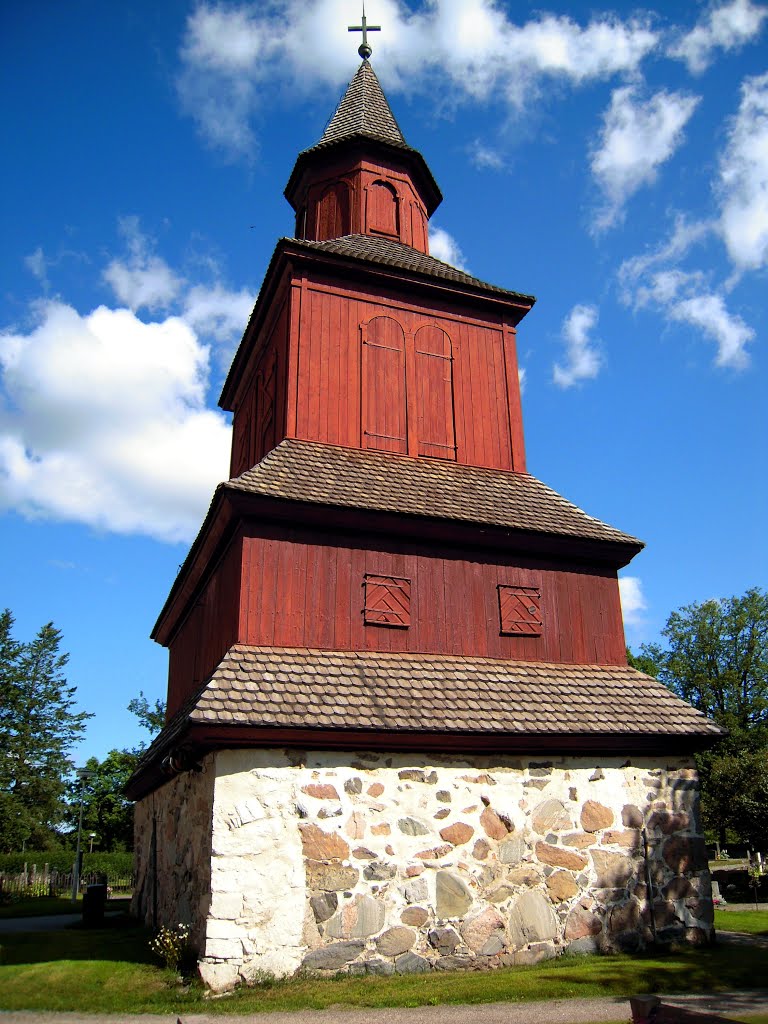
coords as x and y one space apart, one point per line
35 881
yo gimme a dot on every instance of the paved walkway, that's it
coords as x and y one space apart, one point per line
559 1011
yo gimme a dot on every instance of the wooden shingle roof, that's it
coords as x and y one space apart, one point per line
308 471
394 254
363 111
292 687
268 694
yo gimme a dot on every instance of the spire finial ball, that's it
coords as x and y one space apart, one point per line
364 50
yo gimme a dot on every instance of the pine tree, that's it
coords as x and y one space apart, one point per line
38 727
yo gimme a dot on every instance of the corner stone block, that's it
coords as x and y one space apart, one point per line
452 897
218 977
224 949
226 905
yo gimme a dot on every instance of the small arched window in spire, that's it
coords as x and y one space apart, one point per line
383 213
332 215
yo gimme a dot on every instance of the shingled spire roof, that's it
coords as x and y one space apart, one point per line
363 110
364 116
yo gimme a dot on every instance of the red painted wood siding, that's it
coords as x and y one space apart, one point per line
259 418
462 398
308 590
359 196
208 631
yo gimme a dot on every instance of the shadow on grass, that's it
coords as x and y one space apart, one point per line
120 938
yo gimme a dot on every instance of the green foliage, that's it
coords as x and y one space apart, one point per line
170 944
151 716
716 657
643 663
113 865
106 811
38 727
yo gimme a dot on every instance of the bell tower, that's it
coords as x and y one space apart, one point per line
362 177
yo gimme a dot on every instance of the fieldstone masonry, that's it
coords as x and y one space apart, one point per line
389 863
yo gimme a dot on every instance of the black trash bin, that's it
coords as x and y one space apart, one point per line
93 905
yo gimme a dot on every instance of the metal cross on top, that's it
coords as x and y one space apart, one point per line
364 49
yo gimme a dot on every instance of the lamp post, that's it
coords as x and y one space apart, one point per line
91 837
83 774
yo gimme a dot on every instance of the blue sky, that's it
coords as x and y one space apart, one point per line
611 161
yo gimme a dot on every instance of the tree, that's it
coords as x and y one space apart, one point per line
38 727
716 657
151 716
106 811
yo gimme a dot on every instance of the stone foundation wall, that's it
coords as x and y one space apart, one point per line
376 863
173 869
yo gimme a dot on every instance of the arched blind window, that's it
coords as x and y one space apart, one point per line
333 212
383 386
434 386
382 209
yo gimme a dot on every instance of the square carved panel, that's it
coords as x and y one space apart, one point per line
520 610
387 601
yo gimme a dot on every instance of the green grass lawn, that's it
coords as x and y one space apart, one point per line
753 921
111 970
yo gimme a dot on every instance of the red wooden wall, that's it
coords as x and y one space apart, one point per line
306 590
362 196
376 372
208 631
259 418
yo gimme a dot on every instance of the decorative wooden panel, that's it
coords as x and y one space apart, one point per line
333 212
383 386
520 610
382 209
387 601
434 390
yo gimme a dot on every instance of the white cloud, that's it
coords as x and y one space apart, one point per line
522 376
217 312
583 360
105 423
637 137
723 28
743 179
485 157
633 602
445 247
142 280
707 311
37 265
686 297
232 56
